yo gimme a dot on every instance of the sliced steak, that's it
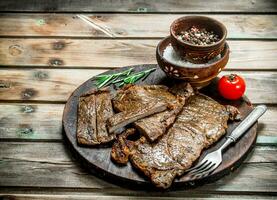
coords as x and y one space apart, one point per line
139 97
104 111
155 126
86 125
124 118
201 123
135 97
94 109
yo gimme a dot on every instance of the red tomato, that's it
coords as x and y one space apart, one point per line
231 86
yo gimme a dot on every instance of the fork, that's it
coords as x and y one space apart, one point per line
213 159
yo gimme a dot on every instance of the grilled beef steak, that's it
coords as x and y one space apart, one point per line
136 97
124 118
104 111
201 123
121 148
86 125
94 109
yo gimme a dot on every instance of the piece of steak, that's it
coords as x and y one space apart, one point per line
94 109
201 123
121 148
124 118
135 97
86 124
104 111
138 97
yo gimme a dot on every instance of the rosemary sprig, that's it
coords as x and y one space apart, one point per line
104 80
135 77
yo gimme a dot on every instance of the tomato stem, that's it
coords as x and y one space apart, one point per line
231 77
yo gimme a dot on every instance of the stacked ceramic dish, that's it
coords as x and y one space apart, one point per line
196 50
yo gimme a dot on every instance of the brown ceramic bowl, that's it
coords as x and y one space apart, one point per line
197 53
198 76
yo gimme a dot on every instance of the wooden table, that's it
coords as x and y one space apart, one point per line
47 49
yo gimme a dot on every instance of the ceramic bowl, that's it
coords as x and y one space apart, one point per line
199 76
197 53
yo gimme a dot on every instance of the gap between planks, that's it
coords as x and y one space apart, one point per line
111 39
132 196
262 140
117 192
37 67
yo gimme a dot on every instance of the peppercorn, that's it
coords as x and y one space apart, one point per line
198 36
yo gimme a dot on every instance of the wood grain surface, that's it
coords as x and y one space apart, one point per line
127 25
46 51
84 53
55 85
85 194
54 164
257 6
17 124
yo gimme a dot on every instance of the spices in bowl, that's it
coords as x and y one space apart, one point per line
198 36
213 32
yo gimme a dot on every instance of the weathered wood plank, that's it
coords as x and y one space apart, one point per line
258 177
17 122
22 164
267 140
31 121
141 195
47 84
260 6
82 193
58 84
75 53
267 123
58 153
126 25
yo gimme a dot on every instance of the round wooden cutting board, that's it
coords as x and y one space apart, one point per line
97 159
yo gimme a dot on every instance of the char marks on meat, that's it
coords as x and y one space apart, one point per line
136 97
201 123
94 109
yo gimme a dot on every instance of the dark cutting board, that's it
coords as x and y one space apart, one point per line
97 159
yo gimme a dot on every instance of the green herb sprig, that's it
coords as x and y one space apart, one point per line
134 77
104 80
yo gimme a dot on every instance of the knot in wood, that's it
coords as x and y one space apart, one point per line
25 131
41 75
4 85
15 50
28 93
27 109
55 62
142 9
59 45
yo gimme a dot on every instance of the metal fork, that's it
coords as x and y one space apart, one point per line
212 160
